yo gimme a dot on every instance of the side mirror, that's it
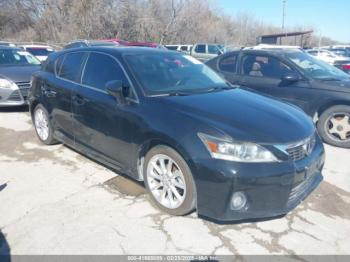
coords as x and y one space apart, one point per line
118 90
290 78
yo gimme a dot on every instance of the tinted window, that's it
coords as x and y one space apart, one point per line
58 64
200 49
228 64
171 47
49 66
184 48
264 66
71 66
101 69
40 51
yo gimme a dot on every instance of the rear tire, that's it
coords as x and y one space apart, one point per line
43 125
169 181
334 126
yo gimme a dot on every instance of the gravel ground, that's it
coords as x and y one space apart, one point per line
54 200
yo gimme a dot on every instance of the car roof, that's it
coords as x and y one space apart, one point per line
36 46
265 51
120 50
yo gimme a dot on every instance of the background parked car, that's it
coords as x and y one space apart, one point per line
4 43
89 43
180 48
39 51
341 50
341 62
344 52
321 90
16 68
204 52
134 43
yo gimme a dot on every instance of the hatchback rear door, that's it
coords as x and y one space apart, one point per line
58 92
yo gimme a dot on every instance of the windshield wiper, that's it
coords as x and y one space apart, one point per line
330 79
219 88
177 93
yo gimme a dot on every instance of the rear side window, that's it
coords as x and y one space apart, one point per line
49 66
200 49
101 69
171 47
71 66
228 64
184 48
58 64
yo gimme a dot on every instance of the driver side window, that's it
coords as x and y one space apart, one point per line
264 66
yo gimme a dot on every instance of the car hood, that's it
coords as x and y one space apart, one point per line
339 86
18 73
245 116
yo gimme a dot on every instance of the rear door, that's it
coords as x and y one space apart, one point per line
263 74
58 92
227 66
101 125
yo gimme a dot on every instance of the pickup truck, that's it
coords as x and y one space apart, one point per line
204 52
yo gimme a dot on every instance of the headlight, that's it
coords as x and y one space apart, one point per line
236 151
4 83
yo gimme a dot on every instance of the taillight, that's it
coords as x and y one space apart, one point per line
346 67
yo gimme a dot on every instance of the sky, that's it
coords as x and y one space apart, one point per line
329 17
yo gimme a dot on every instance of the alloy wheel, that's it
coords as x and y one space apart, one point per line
166 181
338 126
41 124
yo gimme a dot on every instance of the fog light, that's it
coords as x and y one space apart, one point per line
238 201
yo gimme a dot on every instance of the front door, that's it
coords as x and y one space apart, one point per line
264 73
101 124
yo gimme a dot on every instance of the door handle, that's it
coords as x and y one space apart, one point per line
79 100
48 92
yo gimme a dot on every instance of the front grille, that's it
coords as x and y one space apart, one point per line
298 190
296 153
15 96
24 93
23 85
24 88
301 150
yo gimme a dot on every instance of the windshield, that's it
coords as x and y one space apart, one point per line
315 68
40 51
17 57
169 73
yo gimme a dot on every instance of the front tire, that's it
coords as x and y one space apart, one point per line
43 125
169 181
334 126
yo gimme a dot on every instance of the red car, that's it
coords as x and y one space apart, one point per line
134 43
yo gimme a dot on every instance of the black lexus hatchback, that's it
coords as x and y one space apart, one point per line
321 90
166 119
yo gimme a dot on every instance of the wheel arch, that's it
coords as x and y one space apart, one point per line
330 104
150 143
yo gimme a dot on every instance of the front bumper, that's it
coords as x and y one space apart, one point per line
13 97
271 189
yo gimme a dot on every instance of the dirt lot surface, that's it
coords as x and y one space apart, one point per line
56 201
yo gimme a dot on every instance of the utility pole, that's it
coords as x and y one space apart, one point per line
283 17
283 13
